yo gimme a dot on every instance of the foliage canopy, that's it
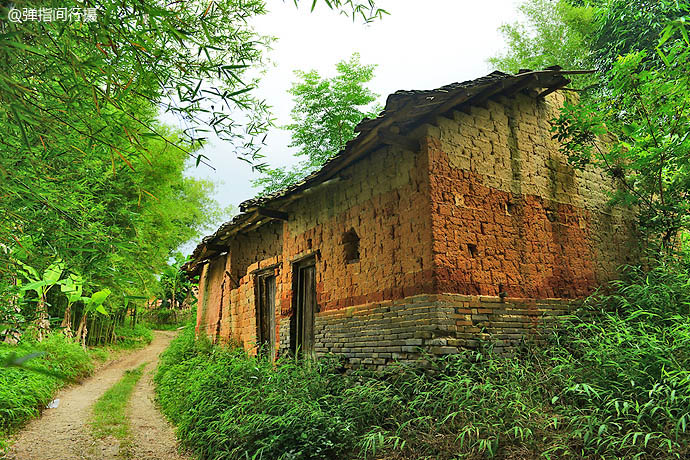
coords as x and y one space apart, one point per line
325 114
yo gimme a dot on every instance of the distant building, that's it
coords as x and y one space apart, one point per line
450 218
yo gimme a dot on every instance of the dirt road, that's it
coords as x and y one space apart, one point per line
63 433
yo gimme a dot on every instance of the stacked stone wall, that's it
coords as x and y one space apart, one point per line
378 333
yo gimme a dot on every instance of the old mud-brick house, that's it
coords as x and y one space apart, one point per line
451 217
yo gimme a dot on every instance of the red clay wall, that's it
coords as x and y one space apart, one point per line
226 308
384 198
488 206
212 296
510 215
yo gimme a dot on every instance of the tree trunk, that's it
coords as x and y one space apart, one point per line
82 331
67 321
43 320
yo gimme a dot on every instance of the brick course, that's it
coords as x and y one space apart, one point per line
378 333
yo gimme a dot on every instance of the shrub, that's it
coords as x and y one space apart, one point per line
132 337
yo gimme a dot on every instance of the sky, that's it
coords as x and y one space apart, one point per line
420 45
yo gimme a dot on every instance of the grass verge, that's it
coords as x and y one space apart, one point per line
25 391
129 338
109 416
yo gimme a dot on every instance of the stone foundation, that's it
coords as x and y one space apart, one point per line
376 334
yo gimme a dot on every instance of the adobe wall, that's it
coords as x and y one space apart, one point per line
488 206
212 296
384 198
248 248
226 308
510 215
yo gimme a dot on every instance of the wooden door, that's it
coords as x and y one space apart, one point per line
305 308
265 312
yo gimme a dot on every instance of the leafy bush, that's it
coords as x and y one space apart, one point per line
24 392
613 382
165 319
132 337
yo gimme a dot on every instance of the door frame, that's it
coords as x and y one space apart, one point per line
301 340
265 304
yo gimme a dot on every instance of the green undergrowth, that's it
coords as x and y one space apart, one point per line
25 391
127 338
165 319
613 381
132 337
109 417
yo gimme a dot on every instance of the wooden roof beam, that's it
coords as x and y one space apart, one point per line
387 137
272 213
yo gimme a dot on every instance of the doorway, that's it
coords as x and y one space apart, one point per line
304 294
266 312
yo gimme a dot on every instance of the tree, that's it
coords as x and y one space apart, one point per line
116 228
627 26
554 32
191 57
644 109
325 114
87 173
584 34
175 291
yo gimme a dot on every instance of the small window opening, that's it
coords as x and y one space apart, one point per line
351 246
472 248
551 215
309 243
510 208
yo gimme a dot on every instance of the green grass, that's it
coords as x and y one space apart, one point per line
99 354
24 392
109 416
129 338
154 320
613 382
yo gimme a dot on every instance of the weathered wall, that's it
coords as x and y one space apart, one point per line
240 323
509 214
213 296
384 198
488 206
226 308
260 244
377 333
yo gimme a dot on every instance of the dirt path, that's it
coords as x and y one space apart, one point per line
63 433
